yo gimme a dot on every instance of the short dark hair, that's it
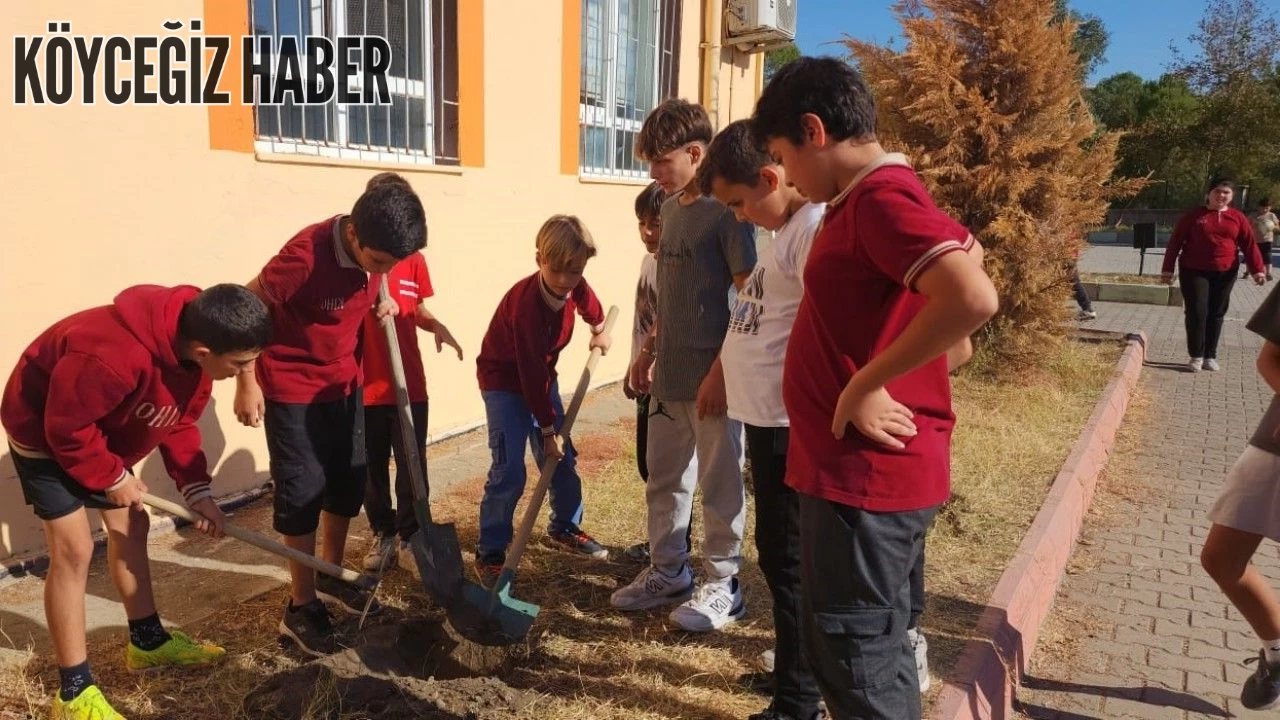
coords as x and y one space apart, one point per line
389 217
387 177
226 318
649 201
1218 182
673 124
826 87
735 156
1264 202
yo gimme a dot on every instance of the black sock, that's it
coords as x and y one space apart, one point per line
147 633
74 680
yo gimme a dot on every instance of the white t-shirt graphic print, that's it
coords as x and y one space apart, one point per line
755 346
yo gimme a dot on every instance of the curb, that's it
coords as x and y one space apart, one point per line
160 525
994 661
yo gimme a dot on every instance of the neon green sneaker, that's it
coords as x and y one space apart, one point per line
179 651
88 705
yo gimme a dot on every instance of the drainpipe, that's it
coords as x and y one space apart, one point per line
711 33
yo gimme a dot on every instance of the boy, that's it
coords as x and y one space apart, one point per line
1244 514
739 174
1265 224
410 285
310 397
517 374
889 289
703 251
91 397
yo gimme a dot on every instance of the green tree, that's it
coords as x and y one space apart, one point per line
1091 39
1117 101
776 58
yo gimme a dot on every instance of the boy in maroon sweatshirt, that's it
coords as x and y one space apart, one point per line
517 372
310 397
91 397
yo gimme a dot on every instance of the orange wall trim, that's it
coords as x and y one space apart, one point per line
471 83
230 126
570 69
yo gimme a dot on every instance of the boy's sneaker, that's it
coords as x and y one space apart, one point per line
653 588
382 544
348 597
713 605
638 553
1211 364
88 705
770 714
580 542
920 647
1195 365
406 560
1087 315
765 661
310 628
180 650
1262 690
488 569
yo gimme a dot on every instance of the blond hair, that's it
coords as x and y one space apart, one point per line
563 239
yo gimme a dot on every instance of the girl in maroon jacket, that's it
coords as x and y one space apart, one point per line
1204 245
89 399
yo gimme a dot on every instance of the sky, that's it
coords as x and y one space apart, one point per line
1141 30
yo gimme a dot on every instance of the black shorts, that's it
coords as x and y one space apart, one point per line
50 490
317 461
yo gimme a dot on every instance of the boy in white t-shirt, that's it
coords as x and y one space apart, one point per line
740 175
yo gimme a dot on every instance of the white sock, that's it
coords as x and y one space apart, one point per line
1271 648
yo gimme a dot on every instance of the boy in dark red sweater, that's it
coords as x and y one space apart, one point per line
310 397
90 398
517 373
888 291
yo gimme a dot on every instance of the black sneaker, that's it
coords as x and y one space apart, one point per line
1262 690
580 542
348 597
310 628
770 713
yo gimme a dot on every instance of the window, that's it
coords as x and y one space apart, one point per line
420 126
630 62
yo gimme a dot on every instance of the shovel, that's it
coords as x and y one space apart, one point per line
435 546
512 616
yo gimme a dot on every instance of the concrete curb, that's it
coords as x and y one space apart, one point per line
160 525
994 661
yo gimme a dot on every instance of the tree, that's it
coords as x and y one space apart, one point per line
775 59
1117 101
987 100
1091 39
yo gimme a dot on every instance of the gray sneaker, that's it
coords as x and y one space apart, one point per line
378 549
1261 690
920 647
654 588
1195 365
1211 364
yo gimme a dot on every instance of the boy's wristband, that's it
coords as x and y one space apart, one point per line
548 431
597 329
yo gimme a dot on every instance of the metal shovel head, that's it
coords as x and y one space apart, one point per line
506 620
439 558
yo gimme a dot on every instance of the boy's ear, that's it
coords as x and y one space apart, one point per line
814 131
696 152
199 352
769 174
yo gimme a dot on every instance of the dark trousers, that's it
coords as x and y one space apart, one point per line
917 589
856 595
1265 248
778 547
382 439
1206 297
1082 297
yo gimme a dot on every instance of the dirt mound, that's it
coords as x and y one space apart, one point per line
398 671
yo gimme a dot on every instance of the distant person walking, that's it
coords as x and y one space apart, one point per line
1204 245
1265 225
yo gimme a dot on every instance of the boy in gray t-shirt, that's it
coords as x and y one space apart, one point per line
702 253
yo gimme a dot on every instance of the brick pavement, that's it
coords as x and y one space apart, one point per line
1169 645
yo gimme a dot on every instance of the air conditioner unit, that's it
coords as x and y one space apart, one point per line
760 25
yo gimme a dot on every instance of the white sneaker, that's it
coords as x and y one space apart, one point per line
1195 364
920 647
1211 365
653 588
1087 315
381 546
765 661
404 556
713 605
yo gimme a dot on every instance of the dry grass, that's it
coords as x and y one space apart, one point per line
589 661
1129 278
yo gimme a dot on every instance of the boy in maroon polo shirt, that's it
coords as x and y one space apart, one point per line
91 397
310 397
889 290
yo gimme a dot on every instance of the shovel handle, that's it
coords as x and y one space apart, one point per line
549 465
263 542
408 439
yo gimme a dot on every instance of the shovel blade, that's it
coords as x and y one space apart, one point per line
508 619
439 558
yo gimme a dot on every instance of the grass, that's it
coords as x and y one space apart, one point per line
1120 278
588 661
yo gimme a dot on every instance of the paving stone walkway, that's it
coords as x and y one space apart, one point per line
1169 645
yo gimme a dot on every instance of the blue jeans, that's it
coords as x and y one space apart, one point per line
512 427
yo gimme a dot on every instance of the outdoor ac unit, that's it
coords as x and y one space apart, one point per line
760 25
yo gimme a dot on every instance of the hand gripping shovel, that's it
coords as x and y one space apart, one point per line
435 547
512 616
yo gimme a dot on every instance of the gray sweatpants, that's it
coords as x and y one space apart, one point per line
675 434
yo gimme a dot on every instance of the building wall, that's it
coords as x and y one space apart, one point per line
99 198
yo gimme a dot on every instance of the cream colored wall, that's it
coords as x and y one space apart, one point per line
100 198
